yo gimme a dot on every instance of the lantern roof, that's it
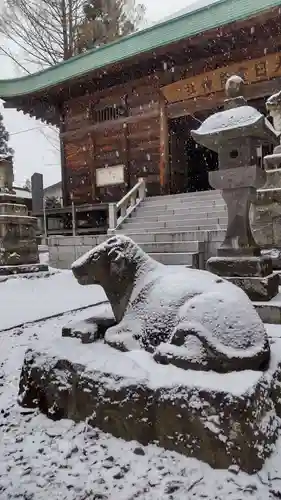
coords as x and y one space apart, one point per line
238 119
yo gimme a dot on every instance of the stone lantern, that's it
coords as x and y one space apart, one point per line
266 223
6 173
18 246
236 134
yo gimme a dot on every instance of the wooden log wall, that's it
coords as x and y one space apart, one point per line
131 139
78 155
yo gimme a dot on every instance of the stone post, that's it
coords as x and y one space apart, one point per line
37 192
112 218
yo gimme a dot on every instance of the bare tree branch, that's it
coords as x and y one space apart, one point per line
41 27
49 31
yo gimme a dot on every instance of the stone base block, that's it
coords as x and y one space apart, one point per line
253 274
270 312
276 263
240 266
23 269
238 252
220 419
19 253
258 289
275 255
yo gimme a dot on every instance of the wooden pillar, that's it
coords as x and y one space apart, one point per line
92 167
126 158
164 147
64 186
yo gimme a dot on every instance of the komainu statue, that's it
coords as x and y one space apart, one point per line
187 317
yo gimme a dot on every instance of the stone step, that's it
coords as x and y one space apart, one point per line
204 195
183 203
43 248
166 217
177 259
270 311
186 224
128 229
172 247
176 236
181 211
198 194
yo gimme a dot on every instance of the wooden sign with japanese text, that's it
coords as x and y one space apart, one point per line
251 71
110 176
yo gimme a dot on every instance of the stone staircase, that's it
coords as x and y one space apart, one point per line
178 229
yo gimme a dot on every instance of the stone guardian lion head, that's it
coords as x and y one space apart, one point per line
107 261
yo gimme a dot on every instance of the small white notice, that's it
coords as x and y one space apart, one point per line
110 175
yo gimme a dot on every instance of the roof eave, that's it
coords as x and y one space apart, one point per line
150 39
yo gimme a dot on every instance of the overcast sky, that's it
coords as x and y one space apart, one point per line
37 150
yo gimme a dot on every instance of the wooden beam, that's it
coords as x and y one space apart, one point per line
164 147
92 167
207 83
126 144
65 194
258 90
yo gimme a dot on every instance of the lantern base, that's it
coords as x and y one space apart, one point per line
23 269
253 274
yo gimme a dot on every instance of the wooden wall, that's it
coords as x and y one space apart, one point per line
131 140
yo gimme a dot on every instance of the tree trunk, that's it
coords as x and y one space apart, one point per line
66 54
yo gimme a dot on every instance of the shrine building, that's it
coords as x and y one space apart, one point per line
125 110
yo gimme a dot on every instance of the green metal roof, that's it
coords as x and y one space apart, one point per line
191 23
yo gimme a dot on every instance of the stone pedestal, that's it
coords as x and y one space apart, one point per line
238 186
18 245
23 269
220 419
18 235
266 217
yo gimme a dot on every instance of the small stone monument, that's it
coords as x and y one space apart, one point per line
18 246
235 134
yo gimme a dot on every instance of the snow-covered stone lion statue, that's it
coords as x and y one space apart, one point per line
187 317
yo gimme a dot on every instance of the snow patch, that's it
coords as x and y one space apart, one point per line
24 300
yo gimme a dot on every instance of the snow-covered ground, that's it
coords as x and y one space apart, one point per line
42 459
24 300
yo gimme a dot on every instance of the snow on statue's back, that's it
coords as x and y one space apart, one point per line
187 317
